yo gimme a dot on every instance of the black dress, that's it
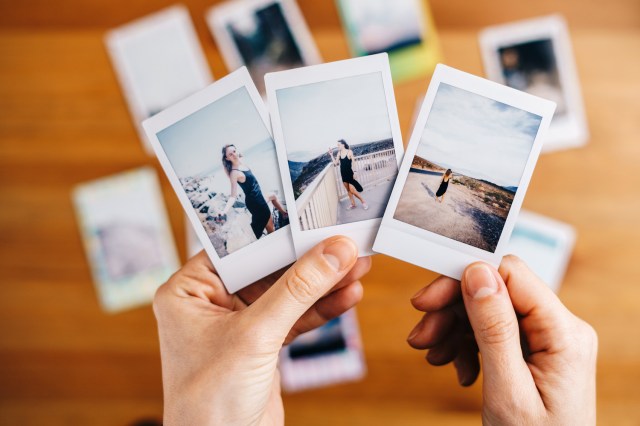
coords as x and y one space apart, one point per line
346 171
255 202
443 187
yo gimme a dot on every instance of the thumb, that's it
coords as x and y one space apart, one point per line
308 279
495 327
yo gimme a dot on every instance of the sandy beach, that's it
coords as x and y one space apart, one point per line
473 211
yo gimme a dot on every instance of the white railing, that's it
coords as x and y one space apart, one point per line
318 205
370 169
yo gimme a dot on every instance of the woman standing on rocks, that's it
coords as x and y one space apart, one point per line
444 184
240 175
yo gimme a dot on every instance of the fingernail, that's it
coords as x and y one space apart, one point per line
419 293
480 281
340 253
415 331
462 377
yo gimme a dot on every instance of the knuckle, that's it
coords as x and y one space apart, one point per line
589 339
496 329
158 300
302 284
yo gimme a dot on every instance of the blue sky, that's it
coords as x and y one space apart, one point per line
315 116
194 144
477 136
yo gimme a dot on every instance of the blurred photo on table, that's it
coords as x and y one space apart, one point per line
127 237
402 28
158 61
535 56
263 35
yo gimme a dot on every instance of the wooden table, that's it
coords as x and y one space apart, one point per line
63 121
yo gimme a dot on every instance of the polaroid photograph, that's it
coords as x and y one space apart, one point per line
401 28
339 146
464 176
536 56
216 150
263 35
326 356
127 237
545 244
158 61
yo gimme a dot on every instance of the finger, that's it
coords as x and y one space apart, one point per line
528 292
466 362
432 329
251 293
444 352
310 278
198 279
543 316
327 308
442 292
495 327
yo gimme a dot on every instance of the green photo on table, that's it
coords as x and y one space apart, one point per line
401 28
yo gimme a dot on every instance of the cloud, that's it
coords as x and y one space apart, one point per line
315 116
478 136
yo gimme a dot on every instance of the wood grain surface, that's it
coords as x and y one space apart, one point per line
63 121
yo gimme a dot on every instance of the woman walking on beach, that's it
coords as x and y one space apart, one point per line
444 184
241 175
345 159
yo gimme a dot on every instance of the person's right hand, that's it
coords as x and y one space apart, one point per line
538 359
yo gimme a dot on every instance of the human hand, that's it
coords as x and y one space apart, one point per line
538 359
219 350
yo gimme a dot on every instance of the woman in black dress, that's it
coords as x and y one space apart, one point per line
444 184
345 159
240 175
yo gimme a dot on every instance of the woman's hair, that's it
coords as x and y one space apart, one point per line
344 143
448 172
226 163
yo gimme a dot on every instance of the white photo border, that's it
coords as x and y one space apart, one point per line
217 16
428 249
252 262
362 232
115 38
564 133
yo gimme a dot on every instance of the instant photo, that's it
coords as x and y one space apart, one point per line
158 61
220 158
535 56
337 133
326 356
401 28
263 35
467 168
127 237
545 244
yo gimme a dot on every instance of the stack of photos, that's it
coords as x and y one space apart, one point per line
263 35
535 56
220 158
401 28
467 167
158 61
339 144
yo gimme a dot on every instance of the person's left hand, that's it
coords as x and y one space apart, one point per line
220 351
